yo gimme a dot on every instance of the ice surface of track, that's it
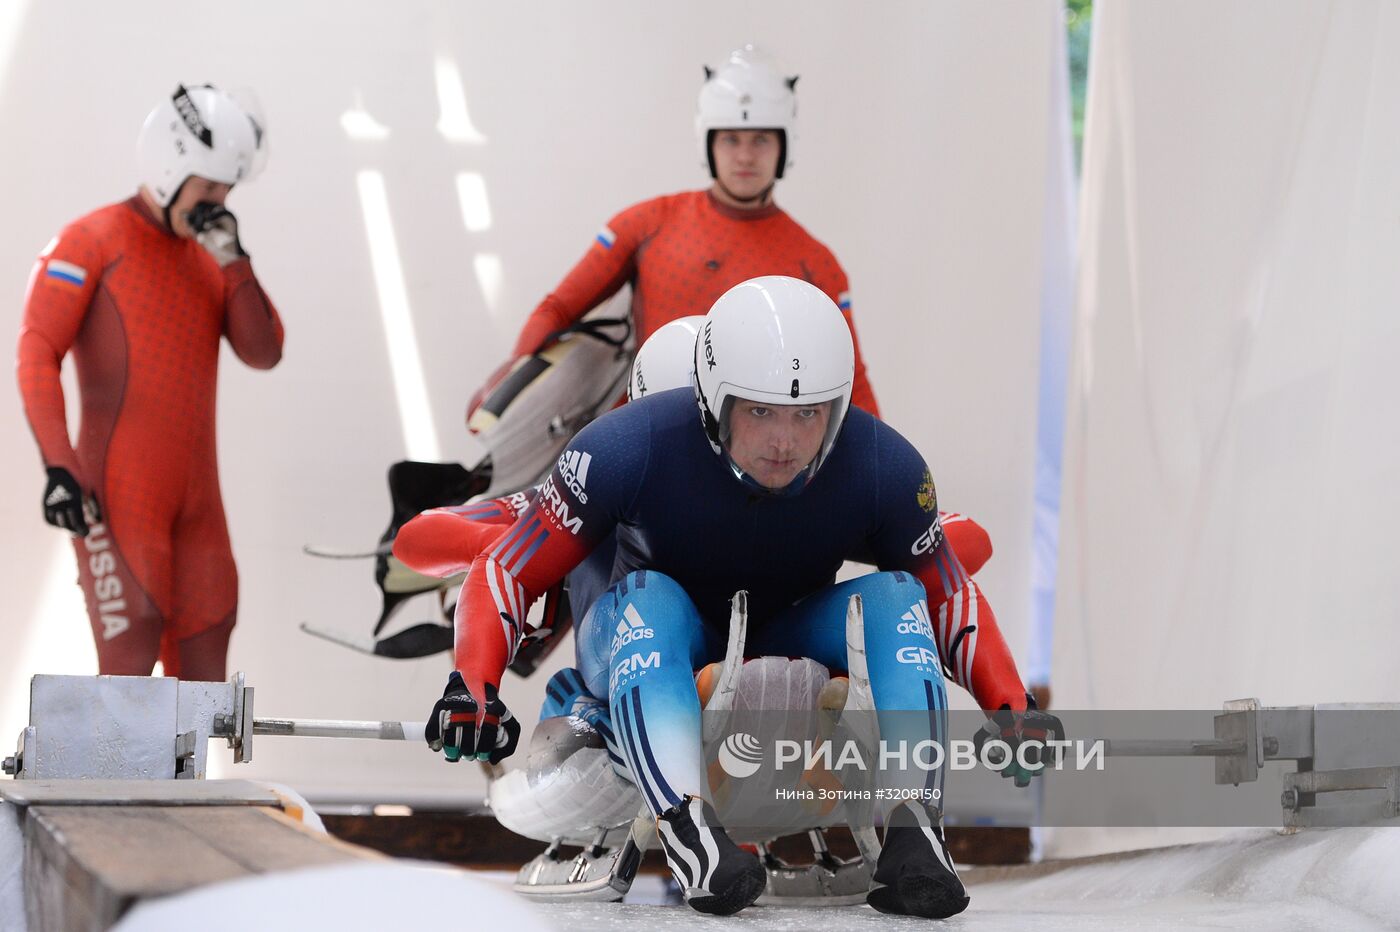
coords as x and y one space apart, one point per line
1334 880
1341 880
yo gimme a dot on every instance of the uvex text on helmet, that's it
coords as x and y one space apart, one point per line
197 131
667 359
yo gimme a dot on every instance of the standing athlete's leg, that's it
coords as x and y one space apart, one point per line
205 587
204 657
125 579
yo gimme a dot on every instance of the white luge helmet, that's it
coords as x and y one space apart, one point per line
747 92
197 131
667 359
778 340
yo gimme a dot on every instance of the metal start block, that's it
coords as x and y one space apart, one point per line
128 727
1347 757
144 728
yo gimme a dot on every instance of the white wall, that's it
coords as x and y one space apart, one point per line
920 164
1231 458
1231 454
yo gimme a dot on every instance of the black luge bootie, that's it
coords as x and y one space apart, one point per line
915 874
716 875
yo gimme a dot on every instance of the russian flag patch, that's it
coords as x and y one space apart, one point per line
66 272
607 237
843 300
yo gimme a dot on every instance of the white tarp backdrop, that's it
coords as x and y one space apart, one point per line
1231 473
486 143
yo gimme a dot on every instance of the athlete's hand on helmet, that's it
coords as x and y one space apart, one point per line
461 727
216 229
1031 728
65 505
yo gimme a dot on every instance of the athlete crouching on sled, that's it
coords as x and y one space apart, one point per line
776 486
561 795
443 542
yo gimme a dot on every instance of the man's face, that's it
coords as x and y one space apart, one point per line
746 160
773 443
194 191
